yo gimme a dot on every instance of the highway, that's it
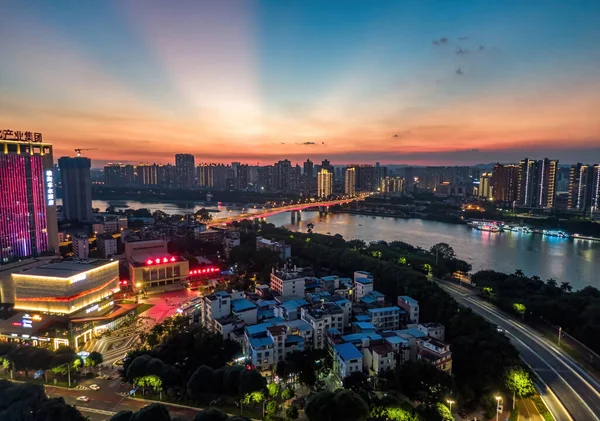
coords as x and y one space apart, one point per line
570 392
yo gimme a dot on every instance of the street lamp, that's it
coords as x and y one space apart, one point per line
498 399
450 402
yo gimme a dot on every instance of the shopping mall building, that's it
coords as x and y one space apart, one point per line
61 302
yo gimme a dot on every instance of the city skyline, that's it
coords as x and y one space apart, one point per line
417 83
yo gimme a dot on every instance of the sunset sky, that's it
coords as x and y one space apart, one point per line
399 82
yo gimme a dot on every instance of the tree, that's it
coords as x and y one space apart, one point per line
566 287
442 251
202 382
251 381
152 412
339 405
358 382
519 273
519 382
271 410
421 381
436 412
520 310
94 359
150 381
211 414
291 413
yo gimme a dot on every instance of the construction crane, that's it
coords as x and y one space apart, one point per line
81 149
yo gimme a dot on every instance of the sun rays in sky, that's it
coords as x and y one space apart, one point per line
420 82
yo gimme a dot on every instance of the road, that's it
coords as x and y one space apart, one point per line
528 411
570 392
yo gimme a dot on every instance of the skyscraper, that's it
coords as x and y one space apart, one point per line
392 185
184 170
365 178
281 176
308 169
505 183
324 183
206 175
485 185
350 181
537 183
28 224
380 173
147 174
119 175
584 183
76 188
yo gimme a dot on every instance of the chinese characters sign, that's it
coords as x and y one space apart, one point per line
7 134
49 188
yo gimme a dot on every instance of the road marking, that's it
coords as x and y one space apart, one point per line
551 368
565 361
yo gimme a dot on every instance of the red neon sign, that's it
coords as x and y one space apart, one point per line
160 260
204 271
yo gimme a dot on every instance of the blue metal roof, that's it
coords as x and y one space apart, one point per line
413 332
333 331
395 340
363 318
261 342
221 293
242 304
348 352
265 313
358 337
364 272
259 328
364 325
294 339
409 300
382 309
346 280
298 324
376 294
329 278
365 281
368 299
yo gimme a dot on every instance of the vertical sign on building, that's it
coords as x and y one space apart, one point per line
49 188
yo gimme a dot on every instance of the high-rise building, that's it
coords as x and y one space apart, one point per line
392 185
119 175
505 183
324 183
281 176
350 181
184 170
265 178
537 183
165 175
308 169
380 173
147 174
206 175
76 188
365 178
28 223
485 185
295 176
243 175
584 184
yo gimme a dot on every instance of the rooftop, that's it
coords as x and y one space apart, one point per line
287 274
364 281
409 300
396 340
363 318
364 325
261 342
382 349
259 328
330 278
432 325
382 309
348 352
242 304
301 325
363 272
294 339
67 268
359 337
412 332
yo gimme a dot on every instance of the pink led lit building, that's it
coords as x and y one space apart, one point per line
28 224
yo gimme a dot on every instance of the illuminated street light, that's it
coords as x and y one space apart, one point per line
498 399
450 402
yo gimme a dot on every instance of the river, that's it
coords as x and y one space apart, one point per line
575 261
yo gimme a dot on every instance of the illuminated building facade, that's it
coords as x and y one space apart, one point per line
184 170
65 287
147 174
324 183
485 185
28 223
504 183
537 183
392 185
350 181
155 271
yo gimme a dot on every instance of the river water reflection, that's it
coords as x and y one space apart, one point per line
575 261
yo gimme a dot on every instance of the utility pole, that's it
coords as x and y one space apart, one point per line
69 373
559 335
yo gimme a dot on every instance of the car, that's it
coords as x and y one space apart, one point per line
94 387
83 399
499 329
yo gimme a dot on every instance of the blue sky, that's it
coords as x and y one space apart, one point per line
422 82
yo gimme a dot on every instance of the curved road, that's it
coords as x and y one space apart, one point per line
571 393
